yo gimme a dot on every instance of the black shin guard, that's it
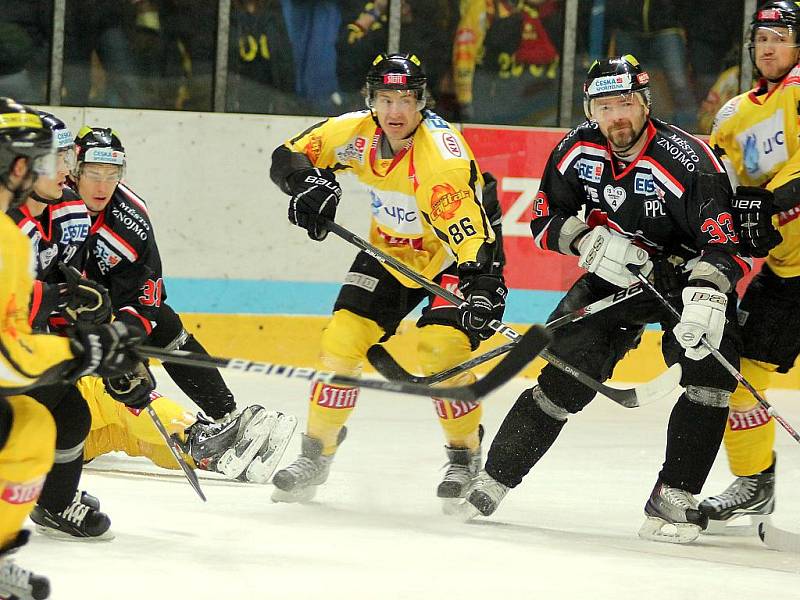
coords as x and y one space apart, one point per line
205 387
73 422
524 437
693 439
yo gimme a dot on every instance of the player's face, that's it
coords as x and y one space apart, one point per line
50 188
96 185
397 113
775 51
621 118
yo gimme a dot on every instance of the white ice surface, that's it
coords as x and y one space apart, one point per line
375 529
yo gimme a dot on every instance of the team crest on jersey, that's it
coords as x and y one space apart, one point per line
614 196
46 256
353 150
107 259
445 201
643 184
314 148
589 170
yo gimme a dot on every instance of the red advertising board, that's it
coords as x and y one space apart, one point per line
516 157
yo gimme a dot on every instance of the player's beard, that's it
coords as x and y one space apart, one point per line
622 136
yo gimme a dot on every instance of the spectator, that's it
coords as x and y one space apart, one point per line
25 49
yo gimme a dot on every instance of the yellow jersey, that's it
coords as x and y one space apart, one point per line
426 200
757 134
24 357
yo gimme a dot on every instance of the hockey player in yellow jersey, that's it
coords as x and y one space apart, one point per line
426 202
27 432
757 134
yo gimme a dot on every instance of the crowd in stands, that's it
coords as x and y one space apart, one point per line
489 61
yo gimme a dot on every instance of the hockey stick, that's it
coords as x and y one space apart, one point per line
718 355
779 539
528 346
629 398
173 447
386 365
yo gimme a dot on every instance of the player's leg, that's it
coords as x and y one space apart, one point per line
27 450
369 308
535 421
771 335
63 511
694 433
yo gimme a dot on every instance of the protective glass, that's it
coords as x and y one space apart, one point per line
102 174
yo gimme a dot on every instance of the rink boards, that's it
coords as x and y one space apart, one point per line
251 285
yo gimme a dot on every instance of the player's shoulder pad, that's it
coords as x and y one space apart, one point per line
441 139
681 152
129 217
725 113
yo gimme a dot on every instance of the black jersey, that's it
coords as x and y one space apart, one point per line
58 235
674 197
123 256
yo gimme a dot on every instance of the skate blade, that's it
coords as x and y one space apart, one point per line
261 469
459 509
55 534
298 496
659 530
234 461
736 526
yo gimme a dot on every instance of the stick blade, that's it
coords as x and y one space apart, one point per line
385 364
779 539
527 348
659 388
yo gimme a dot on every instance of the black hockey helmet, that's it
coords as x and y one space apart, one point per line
22 135
777 13
397 72
63 135
99 145
615 76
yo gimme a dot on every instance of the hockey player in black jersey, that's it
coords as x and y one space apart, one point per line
123 256
650 194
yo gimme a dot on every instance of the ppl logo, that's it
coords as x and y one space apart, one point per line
394 79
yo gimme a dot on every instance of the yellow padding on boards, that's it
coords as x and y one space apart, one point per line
295 340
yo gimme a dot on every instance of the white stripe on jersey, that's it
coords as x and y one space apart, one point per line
74 209
576 151
28 227
129 193
108 238
662 176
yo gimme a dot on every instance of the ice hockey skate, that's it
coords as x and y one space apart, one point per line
483 496
299 481
672 515
229 446
82 520
462 465
752 495
281 428
17 583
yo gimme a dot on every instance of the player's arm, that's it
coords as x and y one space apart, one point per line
136 289
302 170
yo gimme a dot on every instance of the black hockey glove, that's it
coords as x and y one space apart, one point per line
132 388
104 350
666 276
87 301
485 299
752 217
315 195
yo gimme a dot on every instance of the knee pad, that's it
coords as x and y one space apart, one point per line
29 449
706 396
441 347
547 406
564 391
345 341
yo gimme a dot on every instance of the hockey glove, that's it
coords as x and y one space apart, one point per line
666 276
315 196
608 254
703 315
752 217
485 300
87 301
132 388
103 350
